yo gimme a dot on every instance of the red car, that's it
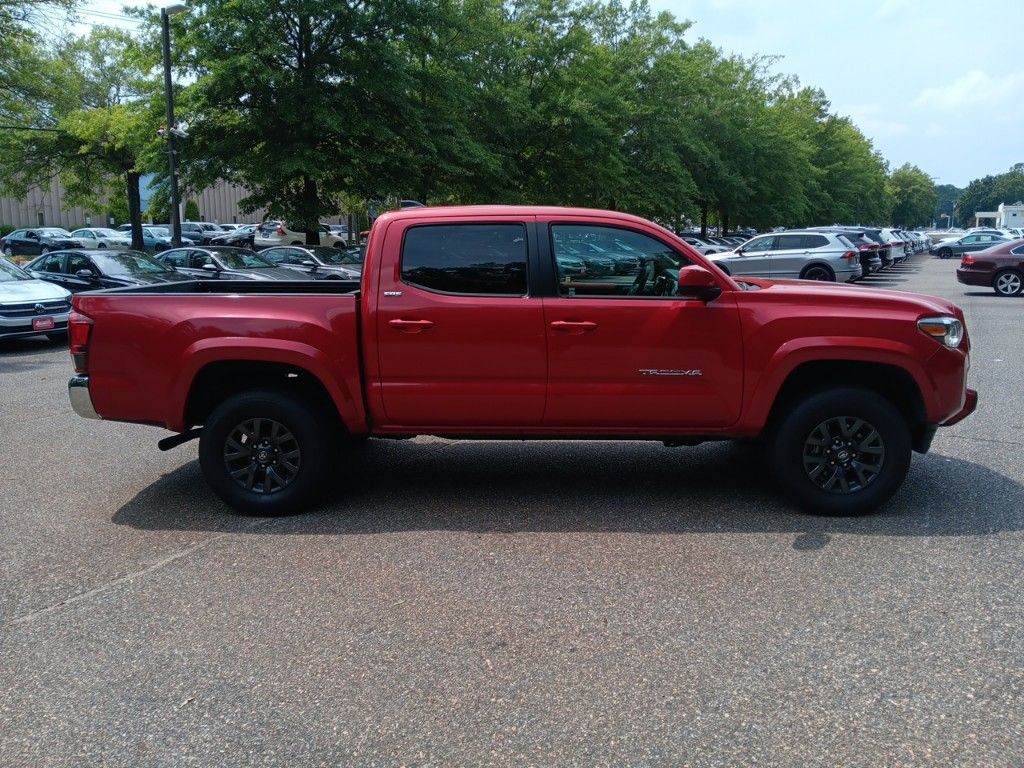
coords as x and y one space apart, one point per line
1000 267
464 325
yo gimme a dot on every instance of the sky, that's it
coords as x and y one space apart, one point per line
930 82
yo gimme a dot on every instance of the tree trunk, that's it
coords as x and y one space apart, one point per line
703 220
310 207
724 219
135 210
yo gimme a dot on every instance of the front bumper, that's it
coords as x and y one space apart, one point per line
970 403
81 400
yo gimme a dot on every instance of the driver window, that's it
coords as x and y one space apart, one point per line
52 264
200 259
759 245
77 262
611 262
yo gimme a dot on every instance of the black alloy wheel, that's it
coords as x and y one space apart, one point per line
269 451
844 454
842 451
945 253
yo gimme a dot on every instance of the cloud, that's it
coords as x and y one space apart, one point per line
874 122
935 129
891 8
975 87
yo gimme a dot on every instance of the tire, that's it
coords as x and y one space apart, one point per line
945 253
8 252
101 245
295 466
1009 282
818 272
802 466
43 251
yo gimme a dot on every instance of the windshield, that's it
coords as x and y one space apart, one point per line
9 273
54 232
241 258
336 256
109 233
127 263
157 231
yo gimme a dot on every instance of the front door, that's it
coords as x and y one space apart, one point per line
754 258
625 352
460 343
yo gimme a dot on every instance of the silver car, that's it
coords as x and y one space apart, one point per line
29 307
803 255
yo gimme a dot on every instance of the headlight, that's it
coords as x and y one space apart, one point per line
948 330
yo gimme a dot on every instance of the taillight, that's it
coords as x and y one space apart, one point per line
867 247
967 261
280 229
849 255
79 330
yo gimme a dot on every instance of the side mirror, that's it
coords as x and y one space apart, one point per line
309 263
210 267
699 283
85 274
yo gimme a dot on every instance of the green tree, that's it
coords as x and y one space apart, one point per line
914 196
95 128
191 210
948 194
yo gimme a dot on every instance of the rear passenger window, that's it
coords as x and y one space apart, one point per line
485 259
817 241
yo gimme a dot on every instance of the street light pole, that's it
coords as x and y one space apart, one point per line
172 151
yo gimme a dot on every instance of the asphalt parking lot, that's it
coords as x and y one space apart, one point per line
463 603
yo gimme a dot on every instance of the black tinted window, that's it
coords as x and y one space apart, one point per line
466 258
790 243
815 241
52 263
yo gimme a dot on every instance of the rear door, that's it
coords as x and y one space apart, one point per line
789 255
460 342
625 352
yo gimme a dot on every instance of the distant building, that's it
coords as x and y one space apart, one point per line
45 207
1010 215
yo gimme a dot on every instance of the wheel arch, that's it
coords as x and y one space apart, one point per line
891 381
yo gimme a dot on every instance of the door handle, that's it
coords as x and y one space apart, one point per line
411 326
575 327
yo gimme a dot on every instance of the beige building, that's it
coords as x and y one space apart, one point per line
44 207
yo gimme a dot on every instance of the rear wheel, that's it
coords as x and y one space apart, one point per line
1009 282
841 452
266 452
818 272
8 251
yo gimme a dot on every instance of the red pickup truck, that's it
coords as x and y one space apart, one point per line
526 322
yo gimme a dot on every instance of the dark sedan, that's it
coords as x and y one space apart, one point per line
221 261
240 237
317 260
969 243
90 270
33 242
1000 268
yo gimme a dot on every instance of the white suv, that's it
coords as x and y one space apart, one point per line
271 233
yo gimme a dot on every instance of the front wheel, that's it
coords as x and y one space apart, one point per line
101 245
267 452
1008 283
945 253
8 252
841 452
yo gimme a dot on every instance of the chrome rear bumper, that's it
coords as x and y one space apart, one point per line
81 401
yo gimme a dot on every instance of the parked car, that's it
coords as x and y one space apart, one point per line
320 260
804 255
240 237
228 263
973 241
1000 267
90 270
450 334
868 250
32 242
102 237
29 307
158 238
201 232
703 246
279 233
